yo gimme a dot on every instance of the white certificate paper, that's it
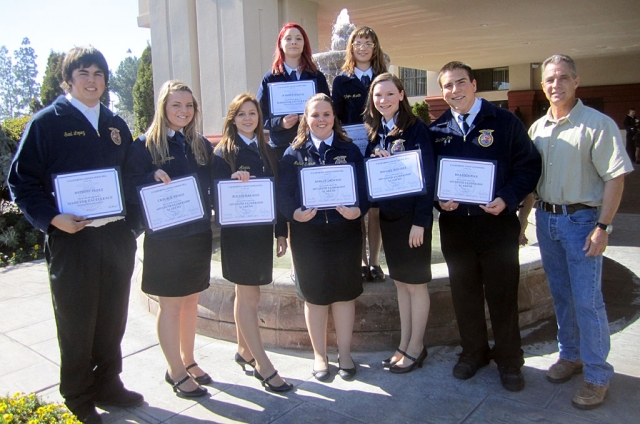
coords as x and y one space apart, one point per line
168 205
358 133
290 97
395 176
465 181
326 187
94 194
248 203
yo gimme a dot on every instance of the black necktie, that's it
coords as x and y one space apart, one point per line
179 138
253 146
322 149
294 76
465 125
366 81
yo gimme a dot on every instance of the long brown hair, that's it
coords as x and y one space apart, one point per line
377 58
306 61
373 118
158 133
227 146
303 128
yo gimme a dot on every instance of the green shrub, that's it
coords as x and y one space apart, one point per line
421 110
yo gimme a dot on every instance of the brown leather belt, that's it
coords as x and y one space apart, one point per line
551 208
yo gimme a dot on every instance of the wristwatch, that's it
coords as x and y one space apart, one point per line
605 227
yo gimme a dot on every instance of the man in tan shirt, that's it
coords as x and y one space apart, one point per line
583 168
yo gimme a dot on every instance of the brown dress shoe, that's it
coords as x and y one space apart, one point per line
563 370
589 396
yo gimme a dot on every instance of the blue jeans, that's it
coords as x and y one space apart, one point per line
575 282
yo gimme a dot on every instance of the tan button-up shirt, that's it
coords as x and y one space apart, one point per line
579 153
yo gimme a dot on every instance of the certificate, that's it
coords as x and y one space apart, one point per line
94 194
395 176
326 187
290 97
248 203
358 133
167 205
465 181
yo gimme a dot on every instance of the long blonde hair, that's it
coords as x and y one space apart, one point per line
378 64
227 146
158 133
303 128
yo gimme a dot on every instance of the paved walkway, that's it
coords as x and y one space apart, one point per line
29 359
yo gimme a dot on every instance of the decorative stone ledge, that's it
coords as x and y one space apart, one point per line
377 326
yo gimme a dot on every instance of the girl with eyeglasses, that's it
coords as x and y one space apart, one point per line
364 61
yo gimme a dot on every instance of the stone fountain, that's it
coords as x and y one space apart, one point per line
331 62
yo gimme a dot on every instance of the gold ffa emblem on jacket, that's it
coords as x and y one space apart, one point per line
398 146
115 136
340 160
485 139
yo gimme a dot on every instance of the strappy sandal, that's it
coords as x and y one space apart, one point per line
285 387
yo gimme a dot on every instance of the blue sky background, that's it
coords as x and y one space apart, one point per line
109 25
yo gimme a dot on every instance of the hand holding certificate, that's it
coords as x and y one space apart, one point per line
92 194
290 97
329 186
245 203
168 205
465 181
395 176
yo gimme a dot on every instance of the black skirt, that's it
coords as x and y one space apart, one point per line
406 264
247 254
327 261
177 267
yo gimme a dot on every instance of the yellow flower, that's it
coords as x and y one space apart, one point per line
3 407
36 247
7 418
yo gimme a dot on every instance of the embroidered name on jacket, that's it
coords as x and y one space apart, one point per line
74 133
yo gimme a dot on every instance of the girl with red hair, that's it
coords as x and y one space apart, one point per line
292 61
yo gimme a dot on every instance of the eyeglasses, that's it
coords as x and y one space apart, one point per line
358 46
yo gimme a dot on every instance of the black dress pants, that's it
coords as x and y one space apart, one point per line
90 276
482 257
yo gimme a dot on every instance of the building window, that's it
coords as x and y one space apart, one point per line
414 81
492 79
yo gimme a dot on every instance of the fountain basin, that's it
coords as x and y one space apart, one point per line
377 325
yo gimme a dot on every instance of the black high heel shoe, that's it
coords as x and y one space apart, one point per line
284 387
241 361
387 363
417 362
203 379
347 373
200 391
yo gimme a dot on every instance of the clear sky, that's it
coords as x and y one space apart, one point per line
109 25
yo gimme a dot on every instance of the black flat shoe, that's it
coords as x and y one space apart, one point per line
366 274
200 391
203 379
322 375
417 362
240 361
346 373
387 363
284 387
377 274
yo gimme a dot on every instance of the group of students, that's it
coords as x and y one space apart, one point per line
327 246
